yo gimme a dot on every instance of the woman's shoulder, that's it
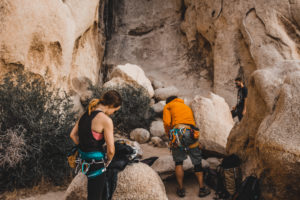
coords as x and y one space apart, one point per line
102 117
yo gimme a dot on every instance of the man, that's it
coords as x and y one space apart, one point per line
179 125
240 108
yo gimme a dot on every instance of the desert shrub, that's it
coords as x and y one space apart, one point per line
35 126
135 111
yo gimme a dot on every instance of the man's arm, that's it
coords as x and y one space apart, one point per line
167 119
245 109
245 100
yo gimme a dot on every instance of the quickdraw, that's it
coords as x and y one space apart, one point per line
176 136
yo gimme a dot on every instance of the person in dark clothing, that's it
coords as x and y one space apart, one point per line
240 109
91 131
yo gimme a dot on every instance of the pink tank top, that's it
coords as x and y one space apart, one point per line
97 136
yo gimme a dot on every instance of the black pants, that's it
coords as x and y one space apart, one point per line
96 186
238 113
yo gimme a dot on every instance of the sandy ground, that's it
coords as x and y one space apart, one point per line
190 181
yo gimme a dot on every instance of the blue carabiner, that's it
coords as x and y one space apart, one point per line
84 171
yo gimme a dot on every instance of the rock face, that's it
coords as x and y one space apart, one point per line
58 40
133 74
259 41
140 135
139 181
147 33
213 117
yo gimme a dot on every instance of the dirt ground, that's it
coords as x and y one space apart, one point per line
190 182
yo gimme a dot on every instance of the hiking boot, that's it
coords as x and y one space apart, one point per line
203 192
180 192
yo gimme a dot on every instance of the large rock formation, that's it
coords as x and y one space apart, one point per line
258 40
213 117
134 75
58 40
137 181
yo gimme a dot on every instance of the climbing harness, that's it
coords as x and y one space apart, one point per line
177 140
86 159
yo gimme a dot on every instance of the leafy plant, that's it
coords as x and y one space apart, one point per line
135 111
35 125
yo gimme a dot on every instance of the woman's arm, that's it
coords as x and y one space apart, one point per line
74 134
108 128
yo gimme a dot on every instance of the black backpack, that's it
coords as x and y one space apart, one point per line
228 177
249 189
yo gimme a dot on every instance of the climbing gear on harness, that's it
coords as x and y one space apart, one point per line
86 159
176 136
195 133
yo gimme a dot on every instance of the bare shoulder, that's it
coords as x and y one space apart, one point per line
103 119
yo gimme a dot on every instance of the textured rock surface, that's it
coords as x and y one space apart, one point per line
213 117
147 33
140 135
159 107
158 142
164 93
157 128
58 40
133 74
139 182
77 190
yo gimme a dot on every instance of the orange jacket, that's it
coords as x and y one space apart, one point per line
176 112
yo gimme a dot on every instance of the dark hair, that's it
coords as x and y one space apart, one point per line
171 98
238 79
110 98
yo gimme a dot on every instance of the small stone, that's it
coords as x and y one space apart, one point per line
158 142
157 128
159 107
140 135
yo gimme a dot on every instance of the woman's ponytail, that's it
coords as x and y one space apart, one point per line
92 105
111 98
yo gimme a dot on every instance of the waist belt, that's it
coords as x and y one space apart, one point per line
96 157
179 126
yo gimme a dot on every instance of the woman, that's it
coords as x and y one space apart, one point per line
90 132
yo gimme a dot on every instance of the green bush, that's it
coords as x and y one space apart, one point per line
135 111
35 126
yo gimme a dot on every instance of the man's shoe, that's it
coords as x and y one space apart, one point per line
180 192
203 192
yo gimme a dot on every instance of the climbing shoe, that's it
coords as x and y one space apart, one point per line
203 192
180 192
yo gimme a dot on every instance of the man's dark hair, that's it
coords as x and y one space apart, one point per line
238 79
171 98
